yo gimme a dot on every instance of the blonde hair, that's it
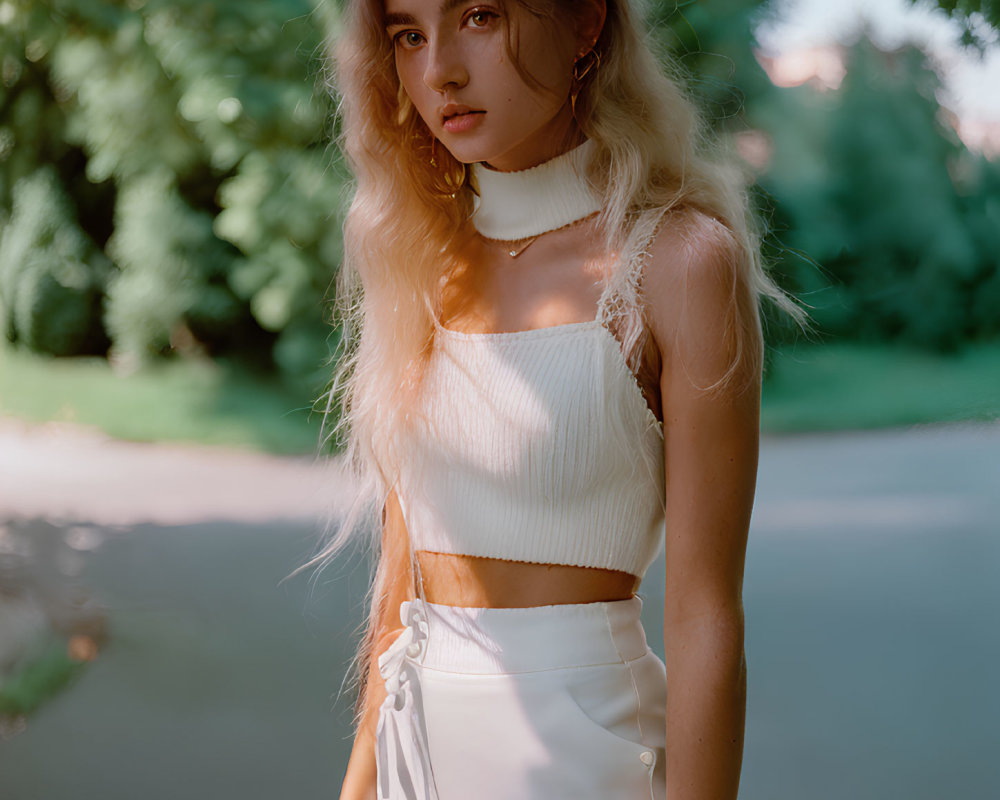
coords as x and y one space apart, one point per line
409 217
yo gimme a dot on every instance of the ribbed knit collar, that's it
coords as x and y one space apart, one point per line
527 202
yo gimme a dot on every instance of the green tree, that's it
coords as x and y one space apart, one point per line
713 40
872 189
968 12
220 107
51 275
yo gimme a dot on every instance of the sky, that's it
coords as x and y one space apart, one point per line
971 83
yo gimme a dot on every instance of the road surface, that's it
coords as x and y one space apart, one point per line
871 599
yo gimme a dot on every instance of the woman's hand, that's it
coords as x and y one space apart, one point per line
359 781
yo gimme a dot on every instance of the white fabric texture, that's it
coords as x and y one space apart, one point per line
523 203
561 702
538 445
401 757
534 446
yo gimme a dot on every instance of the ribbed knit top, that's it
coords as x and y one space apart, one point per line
537 446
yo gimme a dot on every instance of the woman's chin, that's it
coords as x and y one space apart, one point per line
469 152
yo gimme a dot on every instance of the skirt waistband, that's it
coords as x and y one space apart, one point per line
510 640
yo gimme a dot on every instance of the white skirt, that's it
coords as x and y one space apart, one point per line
563 702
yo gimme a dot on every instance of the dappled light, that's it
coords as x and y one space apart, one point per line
172 199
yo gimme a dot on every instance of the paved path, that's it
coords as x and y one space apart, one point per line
65 472
870 595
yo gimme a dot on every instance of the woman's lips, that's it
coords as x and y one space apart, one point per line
459 123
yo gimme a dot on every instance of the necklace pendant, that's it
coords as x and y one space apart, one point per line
514 252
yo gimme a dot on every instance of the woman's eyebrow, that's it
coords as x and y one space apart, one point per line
402 18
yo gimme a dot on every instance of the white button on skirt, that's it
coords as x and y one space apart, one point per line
561 702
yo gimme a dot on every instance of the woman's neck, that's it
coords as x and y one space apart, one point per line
560 134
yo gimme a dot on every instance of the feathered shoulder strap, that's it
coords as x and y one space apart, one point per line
621 308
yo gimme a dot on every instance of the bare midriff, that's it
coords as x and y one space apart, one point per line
476 582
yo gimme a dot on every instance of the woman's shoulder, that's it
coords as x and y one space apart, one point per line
689 239
696 269
691 251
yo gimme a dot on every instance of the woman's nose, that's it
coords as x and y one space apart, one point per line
444 65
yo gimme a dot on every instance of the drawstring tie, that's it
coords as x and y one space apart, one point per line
401 734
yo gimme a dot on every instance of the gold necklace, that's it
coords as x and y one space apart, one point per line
514 252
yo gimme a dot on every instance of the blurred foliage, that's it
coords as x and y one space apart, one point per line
970 13
881 220
47 673
712 41
189 142
51 275
899 222
172 270
167 184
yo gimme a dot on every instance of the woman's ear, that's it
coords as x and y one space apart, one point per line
592 16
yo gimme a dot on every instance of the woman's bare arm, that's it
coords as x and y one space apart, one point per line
710 451
395 586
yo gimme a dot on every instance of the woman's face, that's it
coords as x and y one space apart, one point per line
452 61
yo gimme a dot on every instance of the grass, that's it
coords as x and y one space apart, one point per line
207 402
44 676
808 388
849 386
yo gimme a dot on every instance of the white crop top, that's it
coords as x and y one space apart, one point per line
536 445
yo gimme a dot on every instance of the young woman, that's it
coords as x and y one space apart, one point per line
552 348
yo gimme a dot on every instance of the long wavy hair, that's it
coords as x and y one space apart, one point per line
409 218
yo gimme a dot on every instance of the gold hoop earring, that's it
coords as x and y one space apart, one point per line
456 181
452 179
590 61
593 61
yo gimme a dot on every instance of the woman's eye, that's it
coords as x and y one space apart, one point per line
480 19
409 38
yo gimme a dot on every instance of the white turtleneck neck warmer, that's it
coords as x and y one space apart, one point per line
528 202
